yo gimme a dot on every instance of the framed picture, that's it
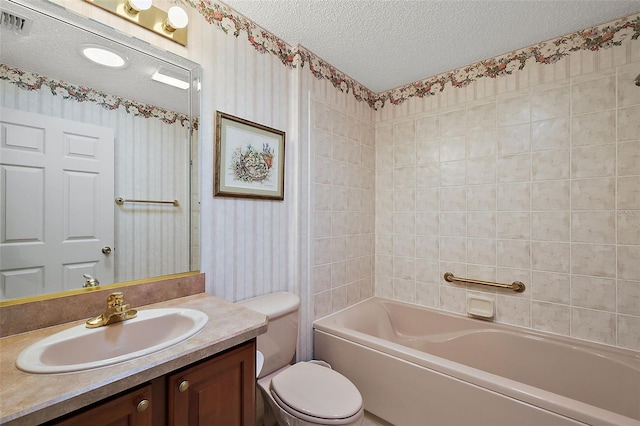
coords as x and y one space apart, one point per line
250 159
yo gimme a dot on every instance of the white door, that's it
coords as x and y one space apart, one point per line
56 196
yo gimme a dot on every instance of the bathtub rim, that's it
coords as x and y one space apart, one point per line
541 398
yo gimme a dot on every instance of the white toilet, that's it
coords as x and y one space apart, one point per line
304 393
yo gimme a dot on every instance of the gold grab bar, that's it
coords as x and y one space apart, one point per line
516 286
120 201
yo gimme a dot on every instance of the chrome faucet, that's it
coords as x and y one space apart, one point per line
89 281
116 311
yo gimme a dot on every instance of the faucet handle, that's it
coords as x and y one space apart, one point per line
89 281
115 299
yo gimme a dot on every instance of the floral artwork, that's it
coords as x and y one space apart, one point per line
250 165
250 159
27 80
595 38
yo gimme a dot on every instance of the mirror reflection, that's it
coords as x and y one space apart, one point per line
96 158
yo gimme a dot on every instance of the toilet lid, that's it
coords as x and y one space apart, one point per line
317 391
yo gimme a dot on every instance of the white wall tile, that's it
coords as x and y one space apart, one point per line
481 144
629 227
481 224
540 185
514 139
481 251
514 111
550 134
514 225
629 193
428 176
593 194
513 310
593 293
514 197
593 95
513 168
550 165
551 226
629 158
628 262
427 128
593 259
597 326
481 197
593 129
514 254
453 123
452 148
553 318
453 173
593 161
404 133
628 336
550 256
551 287
593 227
629 297
550 104
428 152
628 123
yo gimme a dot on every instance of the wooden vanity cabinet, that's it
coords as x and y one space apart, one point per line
132 408
220 390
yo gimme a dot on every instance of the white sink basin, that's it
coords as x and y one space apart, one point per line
80 348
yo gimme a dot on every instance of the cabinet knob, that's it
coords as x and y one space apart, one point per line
143 405
184 385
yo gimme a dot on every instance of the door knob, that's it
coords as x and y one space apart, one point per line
106 250
184 385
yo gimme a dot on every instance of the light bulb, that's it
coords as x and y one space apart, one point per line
136 6
176 18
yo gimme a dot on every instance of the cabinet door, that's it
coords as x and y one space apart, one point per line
219 391
129 409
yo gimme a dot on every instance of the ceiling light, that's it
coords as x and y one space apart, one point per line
177 18
171 81
103 56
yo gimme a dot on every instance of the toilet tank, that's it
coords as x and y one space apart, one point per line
278 344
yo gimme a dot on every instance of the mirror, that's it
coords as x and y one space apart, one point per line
98 176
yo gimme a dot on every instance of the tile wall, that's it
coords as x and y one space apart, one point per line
343 158
535 178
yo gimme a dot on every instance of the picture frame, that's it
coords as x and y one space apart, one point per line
249 159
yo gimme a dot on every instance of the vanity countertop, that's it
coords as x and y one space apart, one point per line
28 399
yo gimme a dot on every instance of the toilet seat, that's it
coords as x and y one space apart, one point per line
316 394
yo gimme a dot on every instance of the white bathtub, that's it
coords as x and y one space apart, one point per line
418 366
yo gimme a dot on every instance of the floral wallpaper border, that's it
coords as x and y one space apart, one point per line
27 80
595 38
231 22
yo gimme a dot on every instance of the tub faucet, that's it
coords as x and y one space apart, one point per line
89 281
116 311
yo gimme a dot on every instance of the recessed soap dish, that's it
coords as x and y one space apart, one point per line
480 306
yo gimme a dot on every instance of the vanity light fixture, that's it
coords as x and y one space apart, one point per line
134 7
103 56
171 81
177 18
171 24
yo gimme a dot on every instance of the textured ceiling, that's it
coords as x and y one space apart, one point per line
384 44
